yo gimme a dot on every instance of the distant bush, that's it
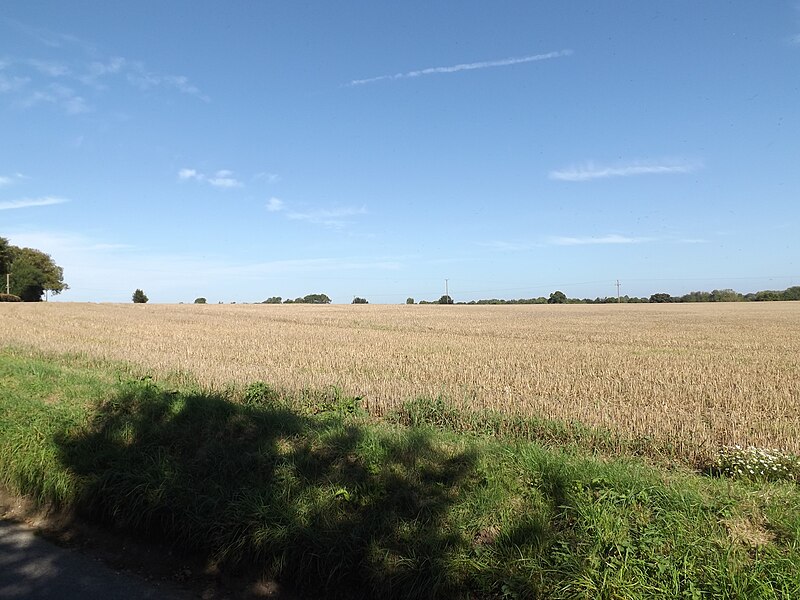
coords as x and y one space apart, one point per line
309 299
360 301
9 298
661 298
200 300
139 297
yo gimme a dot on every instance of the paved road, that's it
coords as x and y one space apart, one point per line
31 567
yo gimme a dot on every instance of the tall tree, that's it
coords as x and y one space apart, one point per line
661 297
33 272
5 256
5 262
314 299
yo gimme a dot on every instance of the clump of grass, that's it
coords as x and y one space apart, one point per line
260 393
758 463
442 414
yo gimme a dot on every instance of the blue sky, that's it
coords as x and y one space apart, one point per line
253 149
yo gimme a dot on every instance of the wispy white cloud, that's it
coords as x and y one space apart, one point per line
522 246
29 202
51 39
80 72
504 246
6 180
275 205
331 217
49 68
221 179
9 84
605 239
337 217
269 177
224 179
60 95
96 70
486 64
591 170
138 75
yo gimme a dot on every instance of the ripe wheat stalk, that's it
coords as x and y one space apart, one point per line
700 375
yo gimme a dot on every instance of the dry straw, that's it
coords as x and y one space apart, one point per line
697 375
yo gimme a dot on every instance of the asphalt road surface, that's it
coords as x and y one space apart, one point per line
31 567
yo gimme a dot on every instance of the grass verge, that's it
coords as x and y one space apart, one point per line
338 504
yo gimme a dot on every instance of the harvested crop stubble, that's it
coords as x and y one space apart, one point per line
696 375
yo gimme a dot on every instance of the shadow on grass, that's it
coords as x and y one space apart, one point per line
335 507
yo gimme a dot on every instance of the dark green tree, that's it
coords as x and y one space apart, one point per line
767 296
139 297
696 297
792 293
358 300
726 295
273 300
409 301
33 272
661 297
5 257
200 300
557 297
27 281
315 299
445 300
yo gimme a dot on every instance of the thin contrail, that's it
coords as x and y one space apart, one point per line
487 64
592 171
28 202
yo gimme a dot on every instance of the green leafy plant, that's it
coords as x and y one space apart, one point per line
260 392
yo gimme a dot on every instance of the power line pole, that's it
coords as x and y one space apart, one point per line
446 288
617 291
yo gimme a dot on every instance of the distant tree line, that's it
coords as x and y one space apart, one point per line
728 295
309 299
725 295
443 300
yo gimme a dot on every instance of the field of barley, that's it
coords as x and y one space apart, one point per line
699 375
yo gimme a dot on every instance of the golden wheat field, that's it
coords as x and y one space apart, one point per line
701 374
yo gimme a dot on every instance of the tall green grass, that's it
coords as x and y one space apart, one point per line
340 505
